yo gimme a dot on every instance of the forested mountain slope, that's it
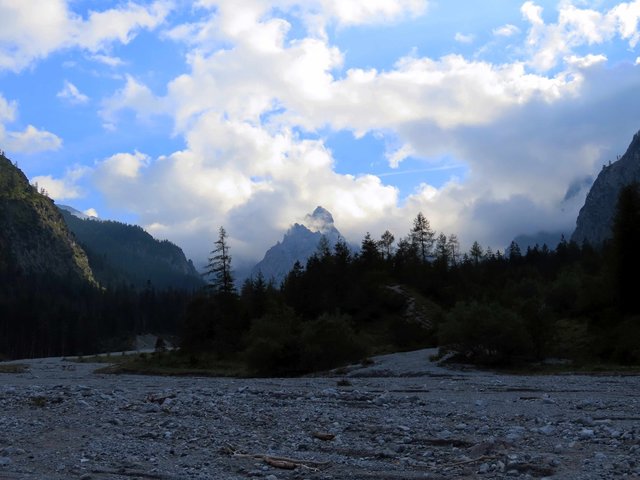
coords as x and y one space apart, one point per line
127 254
34 239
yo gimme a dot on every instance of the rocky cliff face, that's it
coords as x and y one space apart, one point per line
34 238
596 216
298 244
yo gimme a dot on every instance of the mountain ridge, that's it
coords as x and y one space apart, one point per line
122 253
595 219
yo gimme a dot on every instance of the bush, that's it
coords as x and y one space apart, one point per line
272 344
329 341
486 334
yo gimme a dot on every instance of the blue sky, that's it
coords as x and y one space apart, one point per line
183 116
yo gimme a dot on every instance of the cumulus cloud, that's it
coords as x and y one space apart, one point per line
64 188
132 96
71 93
524 135
124 165
29 140
577 27
34 29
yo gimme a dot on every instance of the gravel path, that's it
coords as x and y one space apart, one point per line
401 418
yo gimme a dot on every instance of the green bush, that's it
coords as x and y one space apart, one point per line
329 341
272 344
487 334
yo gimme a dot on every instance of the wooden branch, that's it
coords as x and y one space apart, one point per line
284 463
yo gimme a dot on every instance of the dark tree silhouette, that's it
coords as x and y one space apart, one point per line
422 236
219 267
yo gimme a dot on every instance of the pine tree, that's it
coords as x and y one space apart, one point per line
386 244
422 236
453 246
219 266
442 249
369 249
476 252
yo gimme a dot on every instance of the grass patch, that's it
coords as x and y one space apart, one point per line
178 364
13 368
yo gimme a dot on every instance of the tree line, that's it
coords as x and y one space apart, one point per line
496 308
485 306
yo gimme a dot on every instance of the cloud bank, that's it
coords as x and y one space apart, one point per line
253 102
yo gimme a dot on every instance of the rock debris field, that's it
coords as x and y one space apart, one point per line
401 418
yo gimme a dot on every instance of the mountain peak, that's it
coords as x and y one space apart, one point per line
298 244
320 220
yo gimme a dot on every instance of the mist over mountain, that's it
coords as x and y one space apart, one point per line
34 238
298 244
126 254
76 213
550 239
596 216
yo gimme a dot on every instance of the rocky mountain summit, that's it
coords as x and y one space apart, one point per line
299 243
34 238
596 216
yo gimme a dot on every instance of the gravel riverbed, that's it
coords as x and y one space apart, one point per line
403 417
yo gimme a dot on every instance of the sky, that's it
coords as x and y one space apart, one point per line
491 118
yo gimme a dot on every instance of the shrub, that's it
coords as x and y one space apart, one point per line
329 341
485 333
272 344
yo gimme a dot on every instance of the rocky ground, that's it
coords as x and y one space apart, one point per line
401 418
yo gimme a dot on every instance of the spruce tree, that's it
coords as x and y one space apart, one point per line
422 236
219 267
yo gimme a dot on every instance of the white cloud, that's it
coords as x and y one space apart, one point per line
585 61
7 110
506 30
523 136
58 189
71 93
354 12
34 29
397 156
124 165
65 188
577 27
108 60
134 96
637 61
29 140
91 212
462 38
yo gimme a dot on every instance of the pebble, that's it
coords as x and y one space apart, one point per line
395 425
